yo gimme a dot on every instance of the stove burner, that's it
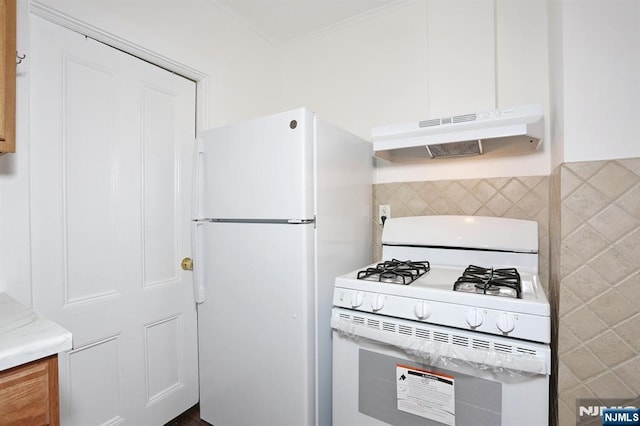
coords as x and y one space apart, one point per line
395 271
497 282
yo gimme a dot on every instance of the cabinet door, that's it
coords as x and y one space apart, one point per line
7 75
461 37
29 394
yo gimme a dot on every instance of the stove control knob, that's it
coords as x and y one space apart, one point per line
474 318
422 310
506 322
356 299
377 302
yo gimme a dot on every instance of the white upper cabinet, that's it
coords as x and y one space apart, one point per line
461 41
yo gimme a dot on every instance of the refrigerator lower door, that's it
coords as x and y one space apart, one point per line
256 324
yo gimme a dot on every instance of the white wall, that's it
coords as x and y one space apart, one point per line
369 71
393 68
15 270
556 81
244 71
601 42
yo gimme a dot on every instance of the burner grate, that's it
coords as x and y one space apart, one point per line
395 271
497 282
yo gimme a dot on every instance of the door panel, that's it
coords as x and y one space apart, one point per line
266 165
160 188
256 324
88 210
98 361
162 343
111 166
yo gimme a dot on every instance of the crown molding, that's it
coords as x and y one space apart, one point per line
247 24
337 26
313 34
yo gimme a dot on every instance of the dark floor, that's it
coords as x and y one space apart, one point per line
191 417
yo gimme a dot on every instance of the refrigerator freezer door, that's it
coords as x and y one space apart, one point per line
256 324
259 169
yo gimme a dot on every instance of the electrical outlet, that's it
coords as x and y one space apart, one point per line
383 210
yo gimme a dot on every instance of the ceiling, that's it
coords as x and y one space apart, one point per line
284 21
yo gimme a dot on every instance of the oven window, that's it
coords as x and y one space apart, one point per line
477 401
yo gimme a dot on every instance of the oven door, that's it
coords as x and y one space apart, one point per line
379 383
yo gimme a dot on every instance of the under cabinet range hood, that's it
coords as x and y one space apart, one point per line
507 131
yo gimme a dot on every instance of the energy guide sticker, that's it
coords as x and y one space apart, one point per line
426 394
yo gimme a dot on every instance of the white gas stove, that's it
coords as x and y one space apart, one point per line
460 292
477 304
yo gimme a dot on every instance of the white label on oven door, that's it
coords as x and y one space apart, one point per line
426 394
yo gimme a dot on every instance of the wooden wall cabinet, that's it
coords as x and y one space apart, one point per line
29 394
7 76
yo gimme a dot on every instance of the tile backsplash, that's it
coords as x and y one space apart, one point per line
597 267
517 197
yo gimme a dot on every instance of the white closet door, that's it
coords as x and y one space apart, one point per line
111 164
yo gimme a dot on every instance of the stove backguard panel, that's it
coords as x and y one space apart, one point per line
522 197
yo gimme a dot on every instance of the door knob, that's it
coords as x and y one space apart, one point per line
187 264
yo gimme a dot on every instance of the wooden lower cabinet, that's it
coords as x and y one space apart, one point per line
29 394
7 76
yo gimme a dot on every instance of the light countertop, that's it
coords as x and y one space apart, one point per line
26 336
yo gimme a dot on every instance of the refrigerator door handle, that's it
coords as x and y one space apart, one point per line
263 221
197 177
300 221
198 267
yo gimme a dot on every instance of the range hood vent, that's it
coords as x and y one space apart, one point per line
508 131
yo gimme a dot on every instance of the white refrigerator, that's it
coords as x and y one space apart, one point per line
283 206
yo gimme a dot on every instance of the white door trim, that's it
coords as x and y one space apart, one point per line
202 80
